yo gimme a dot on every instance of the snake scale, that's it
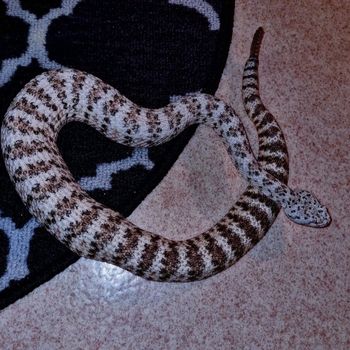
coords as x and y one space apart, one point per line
50 192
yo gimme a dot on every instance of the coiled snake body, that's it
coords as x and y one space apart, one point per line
50 192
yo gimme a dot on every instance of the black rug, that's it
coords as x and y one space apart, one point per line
150 51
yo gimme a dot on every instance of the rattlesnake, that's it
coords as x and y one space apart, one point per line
50 192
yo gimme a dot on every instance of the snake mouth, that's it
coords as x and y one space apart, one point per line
321 224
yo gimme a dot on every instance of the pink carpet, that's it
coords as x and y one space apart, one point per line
292 291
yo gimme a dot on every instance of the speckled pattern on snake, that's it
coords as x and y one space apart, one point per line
50 192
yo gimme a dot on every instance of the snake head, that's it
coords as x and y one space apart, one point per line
305 209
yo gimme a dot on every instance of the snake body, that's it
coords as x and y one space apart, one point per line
50 192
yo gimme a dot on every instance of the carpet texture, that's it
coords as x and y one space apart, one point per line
151 51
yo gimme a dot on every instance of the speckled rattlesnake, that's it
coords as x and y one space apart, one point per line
48 189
